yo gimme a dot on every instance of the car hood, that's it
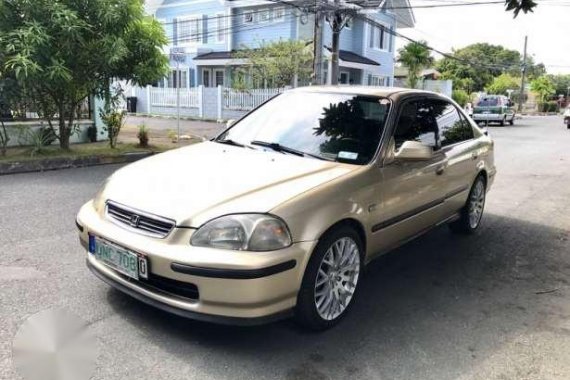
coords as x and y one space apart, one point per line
197 183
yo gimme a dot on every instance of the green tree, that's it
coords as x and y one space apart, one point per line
502 83
561 83
415 56
481 62
543 88
520 5
275 64
460 96
67 50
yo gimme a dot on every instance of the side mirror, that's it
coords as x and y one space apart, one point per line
230 122
414 150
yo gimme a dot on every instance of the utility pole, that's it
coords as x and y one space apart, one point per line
523 76
336 24
318 46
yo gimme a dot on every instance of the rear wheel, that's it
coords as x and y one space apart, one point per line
472 212
331 279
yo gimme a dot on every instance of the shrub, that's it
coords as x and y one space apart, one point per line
551 106
461 97
143 136
92 133
47 136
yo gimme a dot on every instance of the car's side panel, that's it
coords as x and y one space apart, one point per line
411 198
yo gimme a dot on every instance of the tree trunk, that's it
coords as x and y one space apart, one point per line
3 138
63 130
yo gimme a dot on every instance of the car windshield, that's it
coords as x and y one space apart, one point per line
339 127
488 102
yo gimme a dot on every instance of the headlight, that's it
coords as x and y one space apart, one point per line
247 232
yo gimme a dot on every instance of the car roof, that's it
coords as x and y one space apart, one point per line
360 90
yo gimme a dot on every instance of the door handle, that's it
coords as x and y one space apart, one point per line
440 170
474 155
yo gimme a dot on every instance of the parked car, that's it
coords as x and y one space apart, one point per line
280 213
567 117
494 109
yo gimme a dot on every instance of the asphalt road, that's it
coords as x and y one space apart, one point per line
495 305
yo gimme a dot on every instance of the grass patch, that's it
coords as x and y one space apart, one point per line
77 150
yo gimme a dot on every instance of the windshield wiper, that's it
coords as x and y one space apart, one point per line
231 142
284 149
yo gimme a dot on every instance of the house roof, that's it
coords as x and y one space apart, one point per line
215 55
402 72
349 56
344 55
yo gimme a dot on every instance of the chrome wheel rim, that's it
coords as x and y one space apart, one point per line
476 204
337 278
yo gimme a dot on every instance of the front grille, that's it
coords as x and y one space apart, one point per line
139 221
165 286
172 287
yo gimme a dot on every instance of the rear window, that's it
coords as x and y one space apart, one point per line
488 102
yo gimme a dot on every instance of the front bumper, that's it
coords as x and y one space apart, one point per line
233 287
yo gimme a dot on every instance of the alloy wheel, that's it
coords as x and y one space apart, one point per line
337 278
476 204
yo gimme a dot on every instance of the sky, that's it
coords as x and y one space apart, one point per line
548 29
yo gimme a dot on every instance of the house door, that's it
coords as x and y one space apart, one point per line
344 77
206 78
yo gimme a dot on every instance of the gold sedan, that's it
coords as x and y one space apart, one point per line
280 213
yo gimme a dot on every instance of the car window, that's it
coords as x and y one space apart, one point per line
340 127
416 122
488 102
452 127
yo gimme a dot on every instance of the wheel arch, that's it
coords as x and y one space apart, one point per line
352 223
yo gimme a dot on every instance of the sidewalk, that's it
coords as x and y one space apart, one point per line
159 126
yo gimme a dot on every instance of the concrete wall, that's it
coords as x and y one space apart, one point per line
18 136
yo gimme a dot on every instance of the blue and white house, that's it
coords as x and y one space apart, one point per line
204 34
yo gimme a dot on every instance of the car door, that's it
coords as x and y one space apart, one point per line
411 193
456 138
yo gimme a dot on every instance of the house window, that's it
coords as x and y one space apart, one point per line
190 29
348 24
177 77
264 16
221 28
219 76
279 14
378 38
377 80
248 17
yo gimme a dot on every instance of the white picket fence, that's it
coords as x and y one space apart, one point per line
247 100
166 97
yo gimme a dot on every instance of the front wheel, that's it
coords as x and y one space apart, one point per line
472 212
331 279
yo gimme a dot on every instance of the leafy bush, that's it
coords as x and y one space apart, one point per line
47 136
551 106
143 136
461 97
92 133
37 139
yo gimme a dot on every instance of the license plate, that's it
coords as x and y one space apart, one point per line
486 112
120 259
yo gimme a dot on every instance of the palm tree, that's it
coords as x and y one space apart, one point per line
415 56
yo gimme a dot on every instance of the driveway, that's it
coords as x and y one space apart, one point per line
160 126
495 305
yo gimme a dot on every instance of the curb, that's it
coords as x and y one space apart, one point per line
68 163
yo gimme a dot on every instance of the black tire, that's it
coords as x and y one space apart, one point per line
306 313
464 224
